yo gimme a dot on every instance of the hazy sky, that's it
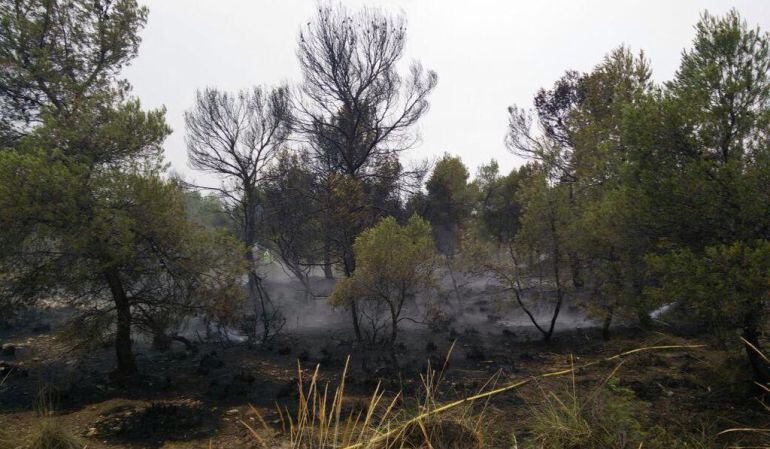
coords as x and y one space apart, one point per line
488 55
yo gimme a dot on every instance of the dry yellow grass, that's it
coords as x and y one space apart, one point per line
50 434
321 423
765 433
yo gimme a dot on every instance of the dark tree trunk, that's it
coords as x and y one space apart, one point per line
577 277
126 364
328 273
257 294
393 331
190 346
555 316
349 265
327 245
557 280
161 341
453 278
606 324
644 319
759 365
516 287
574 259
354 316
394 313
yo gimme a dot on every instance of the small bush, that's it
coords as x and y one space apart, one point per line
605 419
324 419
441 433
685 438
6 441
51 435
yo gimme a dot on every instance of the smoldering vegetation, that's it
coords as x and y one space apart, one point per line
483 306
322 293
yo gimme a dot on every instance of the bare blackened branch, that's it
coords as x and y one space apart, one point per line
237 136
354 104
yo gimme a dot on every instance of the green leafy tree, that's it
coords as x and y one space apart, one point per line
705 165
357 113
582 150
237 137
723 86
394 264
290 221
499 204
721 99
56 54
86 214
607 237
206 210
727 286
103 231
448 202
534 266
447 206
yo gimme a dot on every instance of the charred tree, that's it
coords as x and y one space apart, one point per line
237 137
355 111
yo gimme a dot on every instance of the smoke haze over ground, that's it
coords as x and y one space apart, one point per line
484 306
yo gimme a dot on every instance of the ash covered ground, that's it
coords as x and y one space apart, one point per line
192 394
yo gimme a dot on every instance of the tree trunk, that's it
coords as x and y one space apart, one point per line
546 333
126 364
555 316
356 325
257 294
394 325
328 273
516 287
577 278
161 341
557 280
187 343
249 238
643 316
453 278
349 265
574 259
606 324
759 365
327 246
301 275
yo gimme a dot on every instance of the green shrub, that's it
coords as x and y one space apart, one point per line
6 441
50 434
607 418
680 438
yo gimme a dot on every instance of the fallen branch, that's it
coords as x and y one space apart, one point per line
400 428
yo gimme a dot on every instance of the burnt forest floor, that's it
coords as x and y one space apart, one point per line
201 398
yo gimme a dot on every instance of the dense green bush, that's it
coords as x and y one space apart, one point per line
605 418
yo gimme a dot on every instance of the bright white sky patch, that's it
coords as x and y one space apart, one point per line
488 54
